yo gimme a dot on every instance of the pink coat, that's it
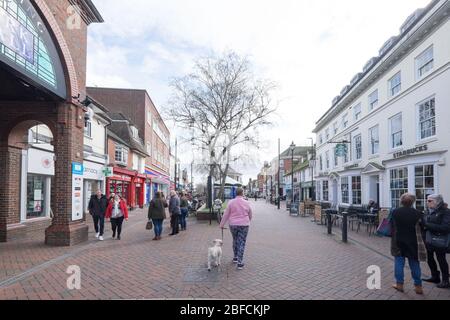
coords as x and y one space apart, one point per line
238 213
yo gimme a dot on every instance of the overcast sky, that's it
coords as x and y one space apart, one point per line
312 49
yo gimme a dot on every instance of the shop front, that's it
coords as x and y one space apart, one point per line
93 180
129 185
156 182
38 168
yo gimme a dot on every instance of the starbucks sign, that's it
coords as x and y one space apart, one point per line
341 150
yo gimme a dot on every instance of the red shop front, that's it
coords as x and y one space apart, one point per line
130 185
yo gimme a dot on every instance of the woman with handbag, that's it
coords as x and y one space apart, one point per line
407 242
437 227
157 214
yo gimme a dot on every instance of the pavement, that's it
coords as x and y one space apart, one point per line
287 258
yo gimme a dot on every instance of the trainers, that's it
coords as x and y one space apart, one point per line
240 266
235 261
100 238
97 235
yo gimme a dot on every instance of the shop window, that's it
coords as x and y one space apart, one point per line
345 190
325 191
356 190
424 185
36 189
399 185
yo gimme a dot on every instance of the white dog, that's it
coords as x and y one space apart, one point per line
215 254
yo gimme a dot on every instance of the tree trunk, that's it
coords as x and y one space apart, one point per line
222 184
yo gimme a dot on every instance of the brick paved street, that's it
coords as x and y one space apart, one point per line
286 258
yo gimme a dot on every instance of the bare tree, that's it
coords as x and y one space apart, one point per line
223 105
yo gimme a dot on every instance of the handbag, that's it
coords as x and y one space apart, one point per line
385 227
437 240
149 225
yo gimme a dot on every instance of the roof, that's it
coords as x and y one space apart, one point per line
120 129
233 172
299 167
298 152
91 13
230 182
389 46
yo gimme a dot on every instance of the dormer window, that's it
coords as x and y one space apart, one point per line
135 132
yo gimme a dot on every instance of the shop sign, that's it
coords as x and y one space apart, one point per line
108 172
410 151
341 150
41 162
93 171
77 191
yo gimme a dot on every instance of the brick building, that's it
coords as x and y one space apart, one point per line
43 76
127 158
138 107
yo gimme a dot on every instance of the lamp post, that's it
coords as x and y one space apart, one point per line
312 164
279 172
292 173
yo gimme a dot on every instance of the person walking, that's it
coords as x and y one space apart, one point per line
407 242
175 212
157 213
437 222
184 209
97 208
238 215
117 211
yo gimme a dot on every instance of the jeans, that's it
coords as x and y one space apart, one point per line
158 226
239 234
99 223
183 216
414 265
116 223
443 265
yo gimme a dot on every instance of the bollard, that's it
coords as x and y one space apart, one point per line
344 226
329 223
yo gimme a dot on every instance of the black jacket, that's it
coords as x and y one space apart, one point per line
157 209
97 207
404 222
438 222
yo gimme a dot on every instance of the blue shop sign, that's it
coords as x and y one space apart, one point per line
77 168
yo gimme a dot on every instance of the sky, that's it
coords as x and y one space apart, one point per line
311 49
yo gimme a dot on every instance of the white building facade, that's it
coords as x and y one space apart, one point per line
393 121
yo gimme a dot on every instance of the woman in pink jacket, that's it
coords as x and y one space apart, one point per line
238 215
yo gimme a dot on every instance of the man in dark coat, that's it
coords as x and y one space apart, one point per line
97 209
437 222
175 212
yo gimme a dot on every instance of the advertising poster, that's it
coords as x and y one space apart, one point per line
16 37
77 191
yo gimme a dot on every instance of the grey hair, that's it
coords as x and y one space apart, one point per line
438 198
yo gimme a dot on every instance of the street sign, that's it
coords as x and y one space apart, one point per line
341 150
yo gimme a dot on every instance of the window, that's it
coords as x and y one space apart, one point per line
335 128
425 62
374 142
320 139
36 196
327 159
325 191
399 185
396 131
135 162
344 121
424 185
121 155
88 129
373 100
356 190
149 117
149 148
357 141
321 163
327 135
336 158
344 190
135 132
427 119
395 84
357 112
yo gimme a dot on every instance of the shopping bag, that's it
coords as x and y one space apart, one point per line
149 226
385 227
